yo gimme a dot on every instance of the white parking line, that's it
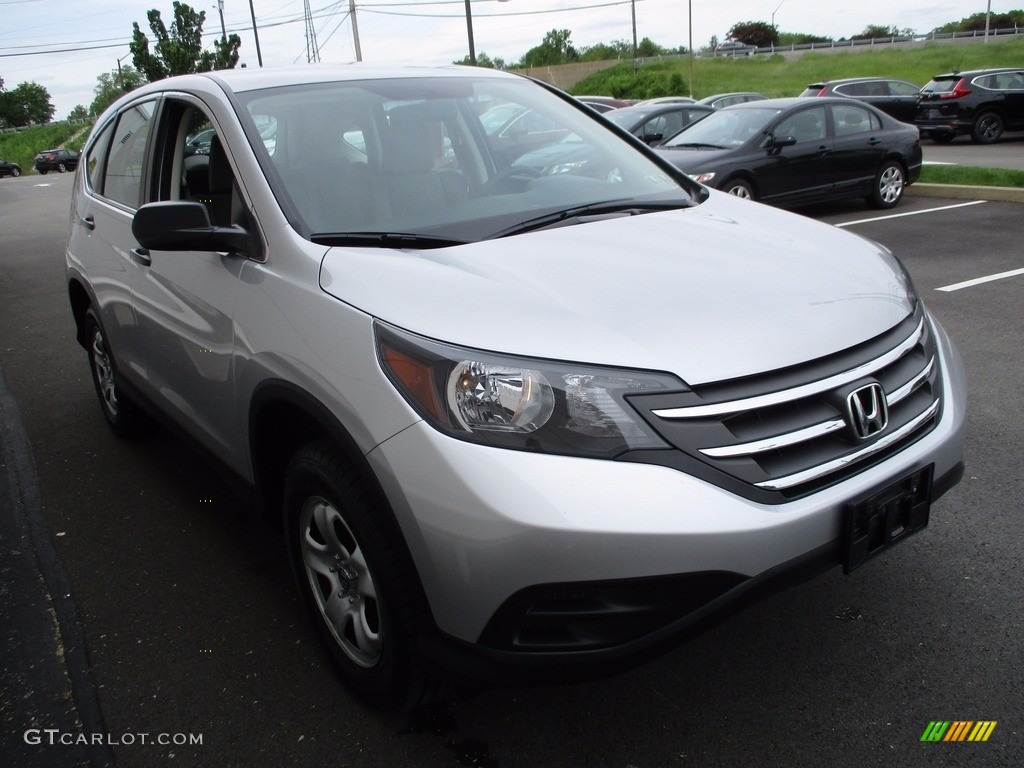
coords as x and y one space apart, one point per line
910 213
980 280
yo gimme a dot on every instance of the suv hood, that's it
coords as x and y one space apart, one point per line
726 289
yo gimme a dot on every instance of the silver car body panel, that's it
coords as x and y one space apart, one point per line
682 301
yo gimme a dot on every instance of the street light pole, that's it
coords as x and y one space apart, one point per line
776 11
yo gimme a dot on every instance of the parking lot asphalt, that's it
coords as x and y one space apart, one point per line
59 675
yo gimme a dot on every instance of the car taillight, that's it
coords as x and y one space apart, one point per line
960 89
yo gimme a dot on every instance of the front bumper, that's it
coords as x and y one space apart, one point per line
500 537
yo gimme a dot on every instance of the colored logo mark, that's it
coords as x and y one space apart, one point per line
958 730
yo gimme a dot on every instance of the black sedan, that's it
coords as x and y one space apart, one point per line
652 123
796 151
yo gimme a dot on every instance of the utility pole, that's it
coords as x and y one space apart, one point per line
223 29
469 30
255 33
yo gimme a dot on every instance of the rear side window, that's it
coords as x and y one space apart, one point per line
813 90
900 88
851 119
94 160
122 180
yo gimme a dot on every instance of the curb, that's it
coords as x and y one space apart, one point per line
955 192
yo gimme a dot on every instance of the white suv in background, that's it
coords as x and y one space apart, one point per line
509 422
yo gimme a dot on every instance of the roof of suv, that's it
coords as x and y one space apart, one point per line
976 72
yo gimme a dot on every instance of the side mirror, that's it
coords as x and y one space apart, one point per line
185 226
653 138
776 143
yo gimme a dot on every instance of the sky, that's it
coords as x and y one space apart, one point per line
64 45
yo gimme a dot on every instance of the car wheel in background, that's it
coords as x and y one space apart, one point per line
15 171
739 188
61 167
943 138
123 416
356 582
987 129
887 188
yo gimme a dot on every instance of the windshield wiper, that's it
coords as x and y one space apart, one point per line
629 207
384 240
693 145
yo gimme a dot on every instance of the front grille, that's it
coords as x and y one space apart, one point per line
791 432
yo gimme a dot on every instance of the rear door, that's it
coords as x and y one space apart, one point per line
858 146
104 206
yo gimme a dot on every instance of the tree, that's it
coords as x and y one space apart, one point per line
112 85
759 33
483 60
877 31
555 48
180 51
976 22
78 113
27 104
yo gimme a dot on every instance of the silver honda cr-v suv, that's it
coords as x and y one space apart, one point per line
508 419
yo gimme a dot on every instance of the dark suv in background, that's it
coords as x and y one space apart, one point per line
982 103
56 160
894 97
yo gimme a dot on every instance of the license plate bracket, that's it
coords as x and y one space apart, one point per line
885 518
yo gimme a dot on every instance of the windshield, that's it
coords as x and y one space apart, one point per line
443 159
725 128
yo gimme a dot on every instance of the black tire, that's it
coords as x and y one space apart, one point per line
888 186
123 416
987 128
15 172
42 171
943 138
356 578
739 188
61 167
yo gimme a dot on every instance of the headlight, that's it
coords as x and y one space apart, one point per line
702 178
521 403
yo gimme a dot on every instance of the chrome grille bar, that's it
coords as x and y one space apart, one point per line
795 393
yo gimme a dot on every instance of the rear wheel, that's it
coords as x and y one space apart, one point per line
355 579
124 418
888 186
15 171
987 129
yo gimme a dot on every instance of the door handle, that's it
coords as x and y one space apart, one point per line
88 222
141 256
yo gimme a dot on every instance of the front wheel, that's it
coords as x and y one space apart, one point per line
61 167
739 188
15 171
988 128
887 188
356 581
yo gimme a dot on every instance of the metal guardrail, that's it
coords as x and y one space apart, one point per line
930 37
